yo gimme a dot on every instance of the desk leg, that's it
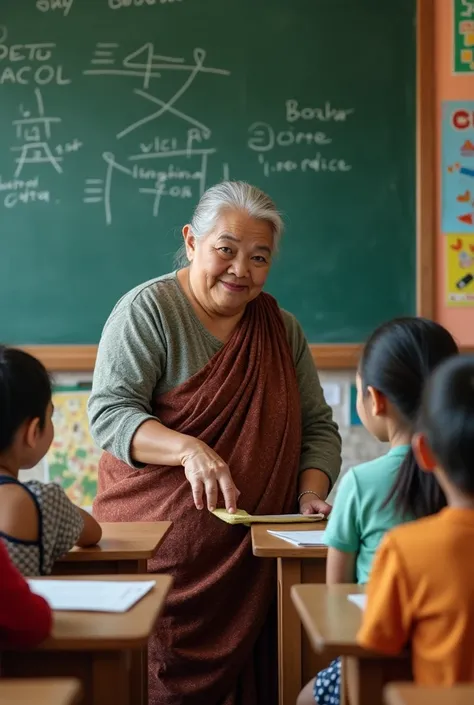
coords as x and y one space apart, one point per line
110 678
139 662
289 633
365 678
139 658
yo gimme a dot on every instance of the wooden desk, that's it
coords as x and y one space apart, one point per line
95 647
39 692
124 549
332 623
410 694
297 662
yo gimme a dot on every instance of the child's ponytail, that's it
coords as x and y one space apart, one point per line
415 493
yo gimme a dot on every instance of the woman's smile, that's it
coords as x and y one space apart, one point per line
234 288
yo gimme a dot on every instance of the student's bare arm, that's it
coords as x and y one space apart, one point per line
340 567
92 531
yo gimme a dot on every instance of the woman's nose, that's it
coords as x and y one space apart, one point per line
239 268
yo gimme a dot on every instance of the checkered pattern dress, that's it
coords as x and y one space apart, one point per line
59 526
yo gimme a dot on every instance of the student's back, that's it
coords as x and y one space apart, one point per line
425 570
421 589
360 516
38 523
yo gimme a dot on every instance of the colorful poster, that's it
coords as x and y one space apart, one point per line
459 259
457 202
463 44
73 458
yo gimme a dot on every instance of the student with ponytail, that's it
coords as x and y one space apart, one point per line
374 497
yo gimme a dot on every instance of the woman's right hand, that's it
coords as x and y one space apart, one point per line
206 472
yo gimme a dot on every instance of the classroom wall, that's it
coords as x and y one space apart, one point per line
460 321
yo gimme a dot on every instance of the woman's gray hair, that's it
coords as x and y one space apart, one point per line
232 195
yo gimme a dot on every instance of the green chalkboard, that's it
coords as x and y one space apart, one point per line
116 114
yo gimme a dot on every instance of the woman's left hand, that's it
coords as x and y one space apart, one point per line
314 505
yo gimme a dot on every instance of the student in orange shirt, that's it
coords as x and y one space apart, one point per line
421 588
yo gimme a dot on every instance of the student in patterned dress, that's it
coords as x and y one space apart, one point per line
376 496
38 523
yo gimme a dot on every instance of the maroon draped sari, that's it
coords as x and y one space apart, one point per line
214 645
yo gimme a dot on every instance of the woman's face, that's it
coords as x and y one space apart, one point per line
229 266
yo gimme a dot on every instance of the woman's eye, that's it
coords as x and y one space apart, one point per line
260 259
225 250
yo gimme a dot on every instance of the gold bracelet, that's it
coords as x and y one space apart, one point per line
309 492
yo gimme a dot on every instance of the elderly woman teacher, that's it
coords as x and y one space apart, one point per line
205 393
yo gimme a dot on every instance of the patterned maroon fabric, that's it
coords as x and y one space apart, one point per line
214 644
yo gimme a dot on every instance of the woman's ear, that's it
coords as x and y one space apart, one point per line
423 453
189 242
377 400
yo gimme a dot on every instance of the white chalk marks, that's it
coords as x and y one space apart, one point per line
146 64
120 4
167 167
35 133
51 5
166 178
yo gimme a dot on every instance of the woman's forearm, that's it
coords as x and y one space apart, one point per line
154 444
315 481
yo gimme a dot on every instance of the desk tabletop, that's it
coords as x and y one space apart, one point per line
99 631
44 691
330 620
122 541
410 694
266 545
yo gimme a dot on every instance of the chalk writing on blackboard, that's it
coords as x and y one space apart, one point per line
34 133
271 144
146 64
19 192
27 63
47 5
166 167
326 113
158 182
35 145
119 4
151 65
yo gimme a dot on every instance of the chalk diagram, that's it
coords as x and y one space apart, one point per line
35 134
146 166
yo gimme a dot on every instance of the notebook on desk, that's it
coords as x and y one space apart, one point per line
242 517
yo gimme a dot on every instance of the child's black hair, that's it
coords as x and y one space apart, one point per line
25 392
447 420
397 361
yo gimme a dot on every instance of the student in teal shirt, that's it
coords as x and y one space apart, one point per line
376 496
360 518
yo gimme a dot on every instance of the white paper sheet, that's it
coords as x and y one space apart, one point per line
359 600
91 595
281 518
301 538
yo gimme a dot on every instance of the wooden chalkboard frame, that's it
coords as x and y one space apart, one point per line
81 358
